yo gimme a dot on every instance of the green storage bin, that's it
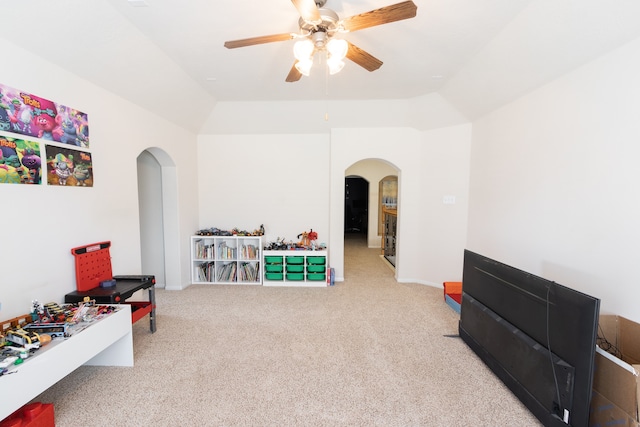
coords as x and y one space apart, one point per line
273 260
295 276
295 260
314 268
316 276
316 260
273 268
273 276
295 268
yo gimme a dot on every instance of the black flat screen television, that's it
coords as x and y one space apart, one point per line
537 336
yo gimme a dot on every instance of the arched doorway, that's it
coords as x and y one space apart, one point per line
158 215
373 171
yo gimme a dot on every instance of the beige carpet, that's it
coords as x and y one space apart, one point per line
366 352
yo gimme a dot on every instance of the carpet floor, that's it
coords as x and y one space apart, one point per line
366 352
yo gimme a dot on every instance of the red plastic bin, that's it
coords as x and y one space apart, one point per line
453 295
454 290
32 415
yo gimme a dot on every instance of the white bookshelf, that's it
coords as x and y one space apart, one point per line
223 260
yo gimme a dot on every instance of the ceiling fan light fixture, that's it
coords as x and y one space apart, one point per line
335 65
337 48
303 49
304 66
318 25
319 39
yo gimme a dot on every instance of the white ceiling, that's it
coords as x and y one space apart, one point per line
478 54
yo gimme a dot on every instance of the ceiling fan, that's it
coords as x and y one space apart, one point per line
318 26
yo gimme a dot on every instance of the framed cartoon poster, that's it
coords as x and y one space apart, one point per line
33 116
63 135
69 167
20 161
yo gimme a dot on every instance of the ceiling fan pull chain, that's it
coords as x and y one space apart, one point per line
326 94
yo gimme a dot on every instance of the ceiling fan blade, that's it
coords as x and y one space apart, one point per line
384 15
308 10
294 74
362 58
232 44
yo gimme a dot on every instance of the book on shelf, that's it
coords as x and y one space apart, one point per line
249 252
249 272
227 273
205 271
204 251
225 251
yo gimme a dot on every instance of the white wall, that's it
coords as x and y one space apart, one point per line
431 164
423 112
281 181
292 183
444 165
42 223
554 181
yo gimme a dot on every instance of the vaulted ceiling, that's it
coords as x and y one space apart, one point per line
478 54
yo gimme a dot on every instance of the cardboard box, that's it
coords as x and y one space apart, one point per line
616 383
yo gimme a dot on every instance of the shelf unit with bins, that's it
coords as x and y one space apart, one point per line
295 268
223 260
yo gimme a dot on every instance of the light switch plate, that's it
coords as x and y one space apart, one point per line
449 200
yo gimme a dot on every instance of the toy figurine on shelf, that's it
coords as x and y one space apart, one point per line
308 239
313 236
278 245
305 239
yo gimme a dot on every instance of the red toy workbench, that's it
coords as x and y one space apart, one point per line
93 270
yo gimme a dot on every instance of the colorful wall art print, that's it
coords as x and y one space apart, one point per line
27 114
20 161
69 167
